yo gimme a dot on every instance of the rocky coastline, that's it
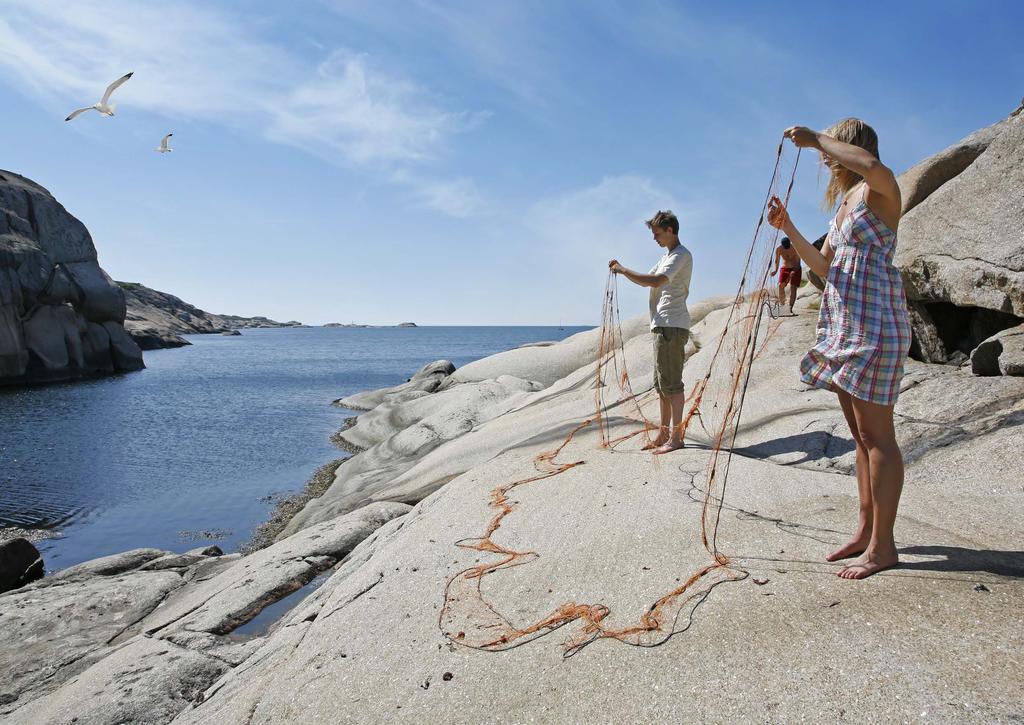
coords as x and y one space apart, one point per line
157 319
146 636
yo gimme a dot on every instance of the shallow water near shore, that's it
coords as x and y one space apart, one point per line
193 449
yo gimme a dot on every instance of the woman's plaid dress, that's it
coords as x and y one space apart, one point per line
863 327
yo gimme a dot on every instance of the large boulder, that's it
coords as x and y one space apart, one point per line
1001 354
919 181
426 380
961 246
20 563
60 314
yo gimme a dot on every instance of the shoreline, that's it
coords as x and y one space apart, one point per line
289 505
10 533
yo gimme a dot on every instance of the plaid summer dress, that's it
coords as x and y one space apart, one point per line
863 327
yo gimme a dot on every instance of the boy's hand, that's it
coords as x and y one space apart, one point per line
772 273
615 267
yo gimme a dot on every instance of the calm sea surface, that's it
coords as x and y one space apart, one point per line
188 451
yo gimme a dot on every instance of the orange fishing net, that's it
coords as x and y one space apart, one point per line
715 401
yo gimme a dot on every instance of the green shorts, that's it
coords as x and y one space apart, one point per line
669 346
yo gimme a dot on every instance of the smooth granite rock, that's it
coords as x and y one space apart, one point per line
107 565
234 596
1001 354
964 243
925 177
53 632
789 641
398 435
426 380
143 681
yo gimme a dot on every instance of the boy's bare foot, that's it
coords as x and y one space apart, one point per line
867 564
853 547
669 446
657 442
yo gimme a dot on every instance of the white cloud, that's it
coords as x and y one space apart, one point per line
349 107
458 197
196 62
604 217
189 61
515 47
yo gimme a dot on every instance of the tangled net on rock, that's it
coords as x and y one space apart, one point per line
715 401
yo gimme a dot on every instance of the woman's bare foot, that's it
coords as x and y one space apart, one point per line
670 445
867 564
853 547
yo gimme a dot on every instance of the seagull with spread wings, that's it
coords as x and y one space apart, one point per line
104 106
164 148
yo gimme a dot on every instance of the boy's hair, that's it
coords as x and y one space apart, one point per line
664 220
785 242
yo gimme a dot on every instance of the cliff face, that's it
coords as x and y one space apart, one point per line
961 249
61 316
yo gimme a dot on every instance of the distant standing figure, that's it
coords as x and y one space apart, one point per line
669 281
863 327
791 273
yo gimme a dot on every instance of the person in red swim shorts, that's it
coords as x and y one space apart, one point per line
790 274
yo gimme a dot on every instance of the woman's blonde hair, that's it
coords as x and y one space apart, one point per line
841 180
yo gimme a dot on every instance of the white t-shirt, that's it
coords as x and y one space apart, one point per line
668 302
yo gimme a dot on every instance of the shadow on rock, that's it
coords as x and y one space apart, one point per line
959 559
814 445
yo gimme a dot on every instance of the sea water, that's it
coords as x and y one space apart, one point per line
194 449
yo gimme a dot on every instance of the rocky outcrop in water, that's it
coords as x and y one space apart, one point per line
60 314
157 319
20 563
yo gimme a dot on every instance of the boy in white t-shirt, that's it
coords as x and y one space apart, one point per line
669 281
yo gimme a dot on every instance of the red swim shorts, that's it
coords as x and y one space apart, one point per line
790 275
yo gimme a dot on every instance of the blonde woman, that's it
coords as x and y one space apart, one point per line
863 329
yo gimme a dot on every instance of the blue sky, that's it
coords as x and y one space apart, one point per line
464 162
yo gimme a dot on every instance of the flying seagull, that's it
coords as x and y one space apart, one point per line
102 107
164 148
